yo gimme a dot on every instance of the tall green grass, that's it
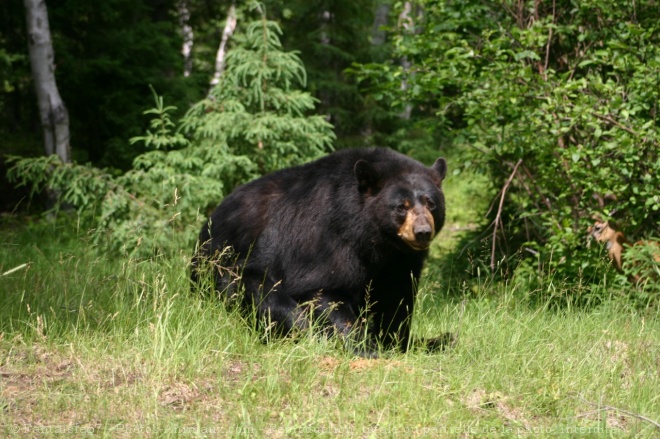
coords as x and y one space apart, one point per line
93 344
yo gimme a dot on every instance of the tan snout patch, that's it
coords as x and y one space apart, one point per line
419 215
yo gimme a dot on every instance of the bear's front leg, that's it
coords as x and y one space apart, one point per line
274 307
336 312
392 304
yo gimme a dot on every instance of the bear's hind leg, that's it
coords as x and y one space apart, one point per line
273 306
281 313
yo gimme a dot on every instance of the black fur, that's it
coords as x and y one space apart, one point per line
325 234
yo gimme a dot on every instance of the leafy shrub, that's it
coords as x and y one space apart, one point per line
642 266
558 101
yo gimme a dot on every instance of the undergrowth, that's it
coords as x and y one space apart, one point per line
93 344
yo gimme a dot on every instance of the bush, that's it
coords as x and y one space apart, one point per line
557 101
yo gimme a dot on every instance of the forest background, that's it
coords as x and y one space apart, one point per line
546 110
552 104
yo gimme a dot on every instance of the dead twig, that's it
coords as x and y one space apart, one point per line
622 411
616 123
543 198
547 47
496 221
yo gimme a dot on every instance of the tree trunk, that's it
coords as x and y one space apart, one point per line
406 22
54 116
378 35
230 26
187 34
407 19
324 94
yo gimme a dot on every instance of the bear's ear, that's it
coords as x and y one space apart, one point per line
366 175
440 166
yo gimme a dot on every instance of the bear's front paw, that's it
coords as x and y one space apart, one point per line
446 341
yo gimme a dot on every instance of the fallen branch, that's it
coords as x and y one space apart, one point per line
622 411
496 221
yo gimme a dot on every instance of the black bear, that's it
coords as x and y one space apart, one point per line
341 239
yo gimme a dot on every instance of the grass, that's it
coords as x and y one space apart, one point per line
93 345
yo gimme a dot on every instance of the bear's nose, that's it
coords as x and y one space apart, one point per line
423 233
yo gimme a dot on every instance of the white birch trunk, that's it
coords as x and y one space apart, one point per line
230 26
378 35
407 23
54 116
188 36
378 38
326 16
325 96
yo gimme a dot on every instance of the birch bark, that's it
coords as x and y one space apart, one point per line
187 34
53 113
230 26
406 22
378 35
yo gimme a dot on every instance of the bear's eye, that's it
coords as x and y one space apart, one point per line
401 208
430 205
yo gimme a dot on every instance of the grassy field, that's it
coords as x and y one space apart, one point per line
99 346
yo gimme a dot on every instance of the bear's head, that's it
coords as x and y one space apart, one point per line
407 201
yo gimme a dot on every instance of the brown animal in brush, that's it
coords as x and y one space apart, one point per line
615 242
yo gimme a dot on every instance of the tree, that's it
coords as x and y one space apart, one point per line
330 36
187 35
54 115
108 53
230 26
254 121
257 110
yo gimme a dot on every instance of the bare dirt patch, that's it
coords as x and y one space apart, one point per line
330 364
479 400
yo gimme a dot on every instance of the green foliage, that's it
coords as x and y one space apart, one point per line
16 125
253 122
330 37
642 267
162 135
107 55
6 61
150 208
257 115
569 90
